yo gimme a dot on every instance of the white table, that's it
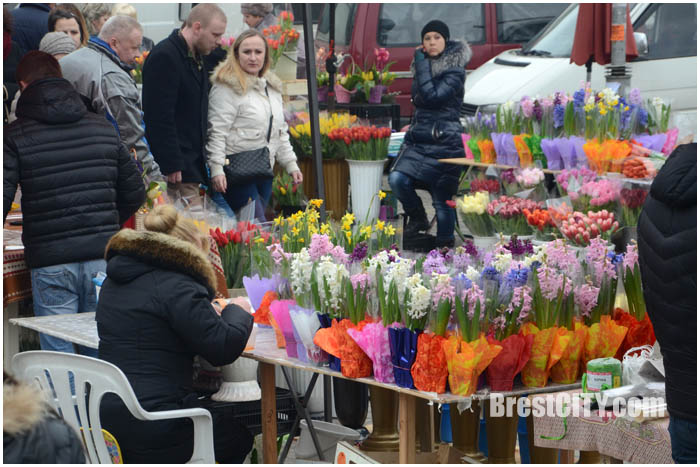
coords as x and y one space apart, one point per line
82 329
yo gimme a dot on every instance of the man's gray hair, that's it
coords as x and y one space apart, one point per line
119 26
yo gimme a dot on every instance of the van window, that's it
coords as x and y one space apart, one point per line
519 22
400 23
558 38
344 21
671 30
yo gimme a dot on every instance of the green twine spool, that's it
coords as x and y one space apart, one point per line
602 374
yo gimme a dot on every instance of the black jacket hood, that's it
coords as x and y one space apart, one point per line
676 183
52 101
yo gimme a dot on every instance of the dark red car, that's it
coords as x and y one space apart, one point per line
490 28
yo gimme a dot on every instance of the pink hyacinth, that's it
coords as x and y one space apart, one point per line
597 258
563 257
631 258
601 192
359 280
340 256
527 106
320 246
586 298
443 290
551 282
474 294
521 295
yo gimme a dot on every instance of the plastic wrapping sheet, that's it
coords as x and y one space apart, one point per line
603 339
354 363
306 323
487 151
524 153
568 369
403 344
466 361
373 339
429 371
547 349
262 313
639 333
509 362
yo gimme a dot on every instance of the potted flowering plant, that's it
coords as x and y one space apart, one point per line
282 39
376 78
288 195
322 79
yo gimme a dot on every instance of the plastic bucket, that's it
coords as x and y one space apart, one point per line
329 434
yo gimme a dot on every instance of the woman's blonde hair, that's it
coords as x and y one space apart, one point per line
165 219
232 63
125 9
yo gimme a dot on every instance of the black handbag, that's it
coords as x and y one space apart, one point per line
246 166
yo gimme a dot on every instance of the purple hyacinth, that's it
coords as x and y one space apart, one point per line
538 110
579 99
470 248
558 115
635 97
490 273
359 252
519 247
516 277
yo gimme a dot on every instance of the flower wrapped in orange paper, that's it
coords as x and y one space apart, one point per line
568 369
354 363
488 151
523 149
429 371
639 333
548 346
466 361
603 339
607 156
262 314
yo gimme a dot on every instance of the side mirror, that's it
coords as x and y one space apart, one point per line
386 25
642 45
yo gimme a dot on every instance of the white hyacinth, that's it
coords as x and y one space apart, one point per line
301 269
472 274
502 261
333 273
420 301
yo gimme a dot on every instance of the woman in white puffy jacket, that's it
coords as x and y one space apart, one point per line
243 96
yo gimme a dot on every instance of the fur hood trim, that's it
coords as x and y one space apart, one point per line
163 251
221 75
457 54
23 407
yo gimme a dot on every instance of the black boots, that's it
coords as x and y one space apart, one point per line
417 222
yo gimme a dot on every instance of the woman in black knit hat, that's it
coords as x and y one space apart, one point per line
435 132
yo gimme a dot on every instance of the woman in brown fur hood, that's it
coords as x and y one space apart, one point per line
33 433
153 316
245 106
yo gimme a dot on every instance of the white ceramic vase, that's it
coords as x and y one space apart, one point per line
365 183
240 382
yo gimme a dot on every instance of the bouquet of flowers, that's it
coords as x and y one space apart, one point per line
596 196
532 179
541 220
571 181
363 143
479 144
137 72
632 200
506 214
510 183
488 185
234 249
281 37
472 208
285 191
580 228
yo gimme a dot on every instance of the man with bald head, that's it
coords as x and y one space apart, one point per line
175 100
101 74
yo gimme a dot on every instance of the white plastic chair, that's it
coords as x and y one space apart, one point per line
93 379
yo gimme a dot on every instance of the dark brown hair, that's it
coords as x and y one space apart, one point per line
36 65
60 13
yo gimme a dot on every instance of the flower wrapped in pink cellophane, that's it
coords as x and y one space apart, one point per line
373 339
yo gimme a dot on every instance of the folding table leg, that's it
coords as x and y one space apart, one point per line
301 411
269 412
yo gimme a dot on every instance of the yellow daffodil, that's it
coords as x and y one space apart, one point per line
348 235
295 230
603 111
278 220
379 225
325 229
301 239
381 194
349 218
366 231
285 238
283 190
259 240
316 203
390 230
346 226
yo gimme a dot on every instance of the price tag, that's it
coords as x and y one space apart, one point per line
617 32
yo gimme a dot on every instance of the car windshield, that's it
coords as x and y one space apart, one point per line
557 39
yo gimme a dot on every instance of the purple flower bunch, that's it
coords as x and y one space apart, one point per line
519 247
435 262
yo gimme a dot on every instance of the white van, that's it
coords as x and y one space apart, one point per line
667 69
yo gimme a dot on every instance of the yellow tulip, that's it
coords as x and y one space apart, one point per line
348 235
283 191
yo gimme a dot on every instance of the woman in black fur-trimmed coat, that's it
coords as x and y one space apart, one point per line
435 133
153 316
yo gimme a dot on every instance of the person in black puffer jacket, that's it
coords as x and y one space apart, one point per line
153 317
435 133
667 233
79 184
33 433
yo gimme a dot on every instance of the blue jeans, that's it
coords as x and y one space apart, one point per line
404 187
259 191
684 447
63 289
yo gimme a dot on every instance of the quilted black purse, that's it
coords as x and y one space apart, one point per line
246 166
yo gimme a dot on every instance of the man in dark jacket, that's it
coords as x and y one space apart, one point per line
435 133
175 100
667 233
31 22
79 184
